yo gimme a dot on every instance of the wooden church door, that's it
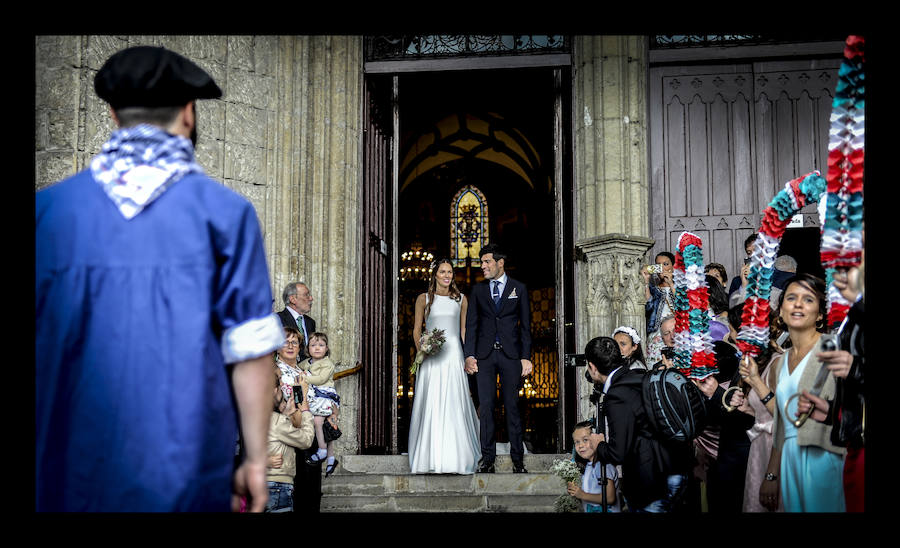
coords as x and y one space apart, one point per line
724 139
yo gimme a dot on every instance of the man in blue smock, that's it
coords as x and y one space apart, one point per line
153 321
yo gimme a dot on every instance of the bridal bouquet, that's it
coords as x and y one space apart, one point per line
431 342
568 471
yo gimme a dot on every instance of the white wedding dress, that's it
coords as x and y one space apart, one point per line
443 430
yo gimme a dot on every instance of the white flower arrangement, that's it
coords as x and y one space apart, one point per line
567 470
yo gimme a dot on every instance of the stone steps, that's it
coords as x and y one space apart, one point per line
383 483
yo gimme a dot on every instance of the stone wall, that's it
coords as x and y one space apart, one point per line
285 134
612 225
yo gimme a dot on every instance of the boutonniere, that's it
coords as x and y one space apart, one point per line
512 294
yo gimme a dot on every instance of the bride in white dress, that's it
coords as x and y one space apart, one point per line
443 430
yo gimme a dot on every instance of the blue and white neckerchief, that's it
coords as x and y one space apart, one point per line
137 164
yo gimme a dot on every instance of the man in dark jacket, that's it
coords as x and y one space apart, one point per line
654 471
727 431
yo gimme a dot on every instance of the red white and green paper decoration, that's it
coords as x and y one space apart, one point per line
843 212
694 354
753 336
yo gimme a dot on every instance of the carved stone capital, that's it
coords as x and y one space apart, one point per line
611 292
615 244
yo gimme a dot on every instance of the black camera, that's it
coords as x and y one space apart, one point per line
668 352
576 360
829 342
298 395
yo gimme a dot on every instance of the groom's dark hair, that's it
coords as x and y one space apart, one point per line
494 250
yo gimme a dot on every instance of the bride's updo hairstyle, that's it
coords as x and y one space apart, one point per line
432 285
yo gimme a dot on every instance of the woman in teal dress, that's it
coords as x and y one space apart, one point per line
804 465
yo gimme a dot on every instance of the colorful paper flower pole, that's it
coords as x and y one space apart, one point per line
753 336
843 212
694 355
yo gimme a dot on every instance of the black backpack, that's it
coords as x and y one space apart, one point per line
675 407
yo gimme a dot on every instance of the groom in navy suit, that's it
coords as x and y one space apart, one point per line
498 340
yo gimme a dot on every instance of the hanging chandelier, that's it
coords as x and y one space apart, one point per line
415 264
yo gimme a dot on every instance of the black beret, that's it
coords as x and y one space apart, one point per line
147 76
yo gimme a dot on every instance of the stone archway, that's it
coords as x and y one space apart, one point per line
469 135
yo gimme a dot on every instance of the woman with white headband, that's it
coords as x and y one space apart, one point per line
630 345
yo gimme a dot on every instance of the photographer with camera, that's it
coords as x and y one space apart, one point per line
740 280
654 471
659 290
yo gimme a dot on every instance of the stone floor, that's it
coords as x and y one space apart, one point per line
375 483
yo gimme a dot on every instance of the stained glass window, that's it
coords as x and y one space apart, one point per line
468 225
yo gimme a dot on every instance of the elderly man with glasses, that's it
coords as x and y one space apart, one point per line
297 304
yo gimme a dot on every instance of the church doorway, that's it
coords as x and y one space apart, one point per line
476 165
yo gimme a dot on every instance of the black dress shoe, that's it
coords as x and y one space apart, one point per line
486 468
519 467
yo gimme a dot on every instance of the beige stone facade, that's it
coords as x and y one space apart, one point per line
287 135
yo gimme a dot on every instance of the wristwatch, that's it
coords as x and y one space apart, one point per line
771 477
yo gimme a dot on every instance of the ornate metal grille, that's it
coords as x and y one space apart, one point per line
673 41
395 47
544 384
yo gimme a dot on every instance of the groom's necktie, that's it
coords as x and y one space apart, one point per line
495 293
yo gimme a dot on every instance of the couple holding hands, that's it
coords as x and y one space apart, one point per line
487 334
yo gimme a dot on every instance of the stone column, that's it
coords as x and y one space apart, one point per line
313 235
611 188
